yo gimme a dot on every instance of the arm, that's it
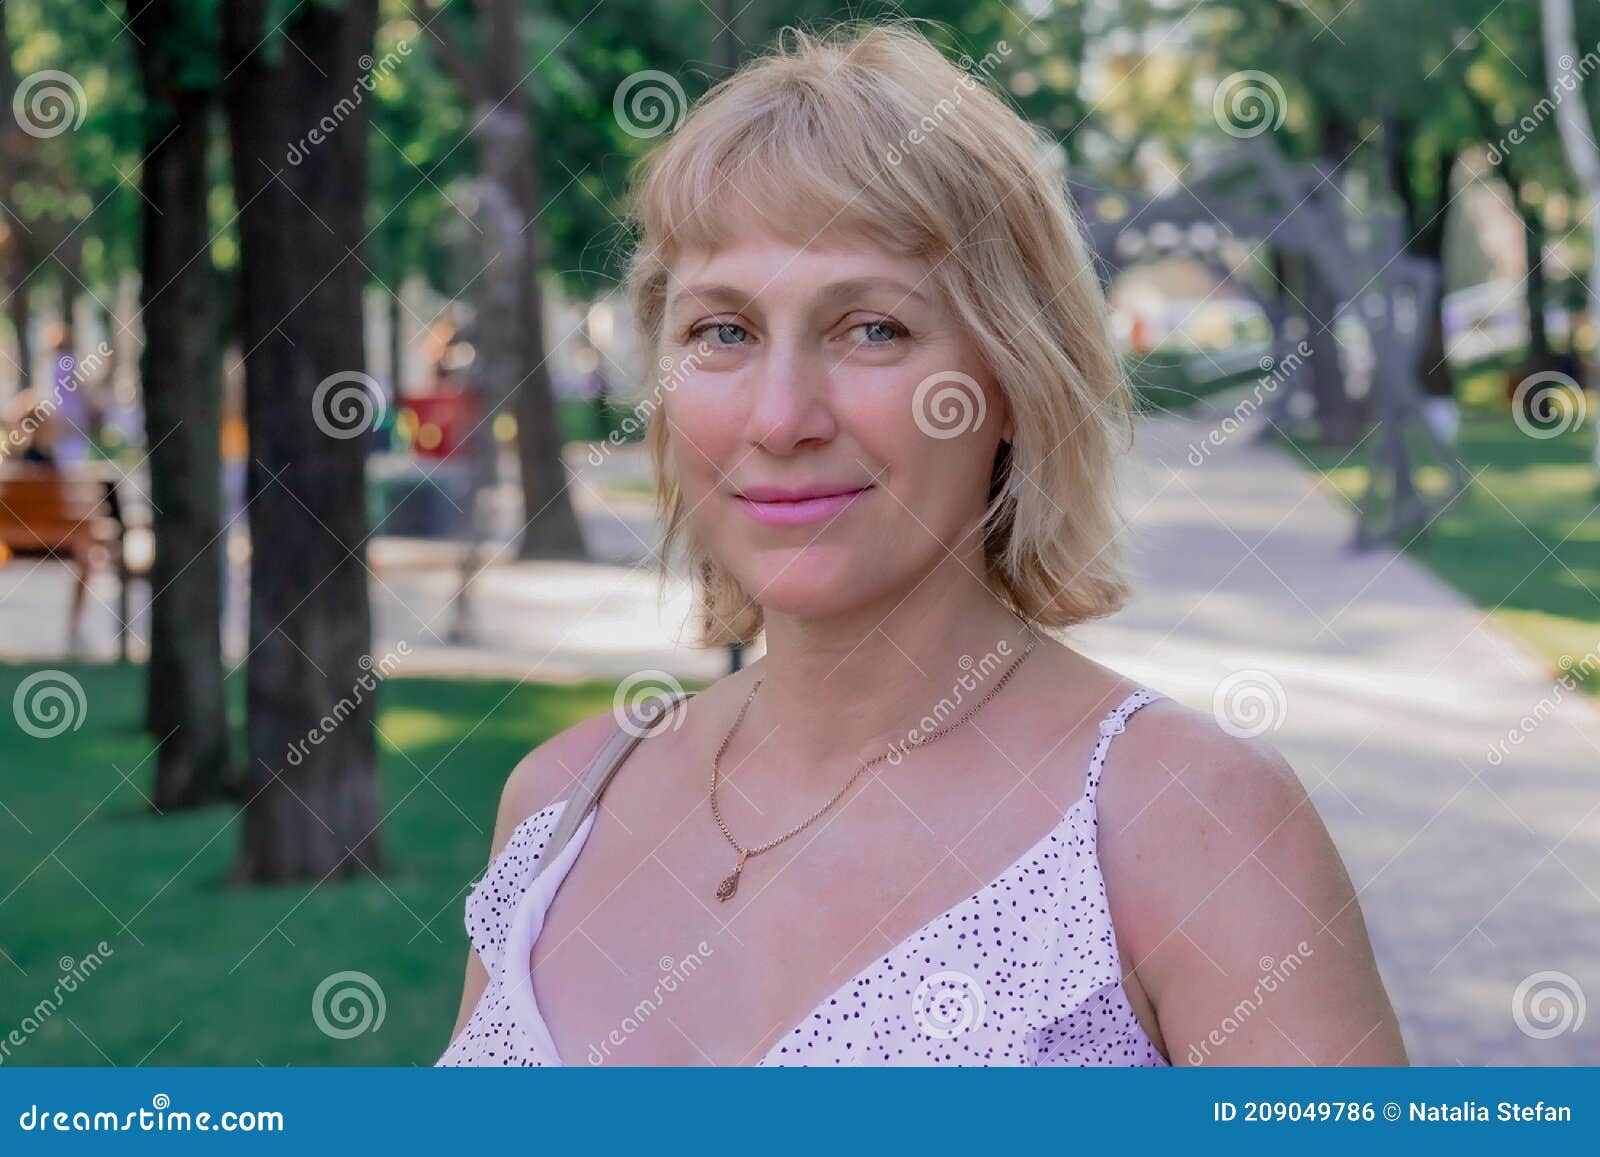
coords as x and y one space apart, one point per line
1233 905
544 776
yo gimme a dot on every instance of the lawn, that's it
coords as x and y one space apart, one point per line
200 973
1524 541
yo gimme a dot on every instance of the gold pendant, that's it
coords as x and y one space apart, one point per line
729 886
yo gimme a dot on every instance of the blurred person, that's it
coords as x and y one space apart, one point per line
919 829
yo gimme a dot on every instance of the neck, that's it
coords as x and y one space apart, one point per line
848 686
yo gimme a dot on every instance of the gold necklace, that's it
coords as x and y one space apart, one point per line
730 883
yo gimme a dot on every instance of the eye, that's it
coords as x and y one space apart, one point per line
727 332
879 332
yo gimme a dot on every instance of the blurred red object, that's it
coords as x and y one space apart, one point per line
440 423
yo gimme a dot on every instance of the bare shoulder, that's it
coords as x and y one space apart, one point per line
1223 882
547 773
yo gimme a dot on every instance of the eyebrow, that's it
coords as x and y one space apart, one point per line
710 294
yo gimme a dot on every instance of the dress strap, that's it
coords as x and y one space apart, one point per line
1112 725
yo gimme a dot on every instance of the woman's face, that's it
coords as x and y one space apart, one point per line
832 426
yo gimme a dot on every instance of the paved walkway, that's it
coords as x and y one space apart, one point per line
1477 873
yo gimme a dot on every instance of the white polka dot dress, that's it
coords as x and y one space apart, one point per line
1024 971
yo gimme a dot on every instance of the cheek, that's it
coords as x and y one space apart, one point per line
703 435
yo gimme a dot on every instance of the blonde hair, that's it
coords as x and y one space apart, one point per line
873 132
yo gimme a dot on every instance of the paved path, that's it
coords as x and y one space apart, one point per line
1476 874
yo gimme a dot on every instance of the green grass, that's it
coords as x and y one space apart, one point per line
201 973
1524 541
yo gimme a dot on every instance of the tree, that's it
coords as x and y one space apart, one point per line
297 114
181 376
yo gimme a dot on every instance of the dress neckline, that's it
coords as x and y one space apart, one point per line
524 936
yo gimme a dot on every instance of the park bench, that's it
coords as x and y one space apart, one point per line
72 515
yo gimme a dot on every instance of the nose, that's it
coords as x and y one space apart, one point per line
791 402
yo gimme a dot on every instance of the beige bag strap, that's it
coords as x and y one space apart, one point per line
586 792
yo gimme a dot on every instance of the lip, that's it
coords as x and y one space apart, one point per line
775 506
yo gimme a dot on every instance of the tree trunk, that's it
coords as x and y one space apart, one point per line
180 371
313 810
513 362
16 258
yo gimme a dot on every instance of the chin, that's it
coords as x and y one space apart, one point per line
811 582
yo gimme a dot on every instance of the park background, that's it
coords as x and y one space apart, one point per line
313 306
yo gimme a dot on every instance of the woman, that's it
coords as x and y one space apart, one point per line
919 830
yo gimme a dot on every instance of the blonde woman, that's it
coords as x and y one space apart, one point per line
919 829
